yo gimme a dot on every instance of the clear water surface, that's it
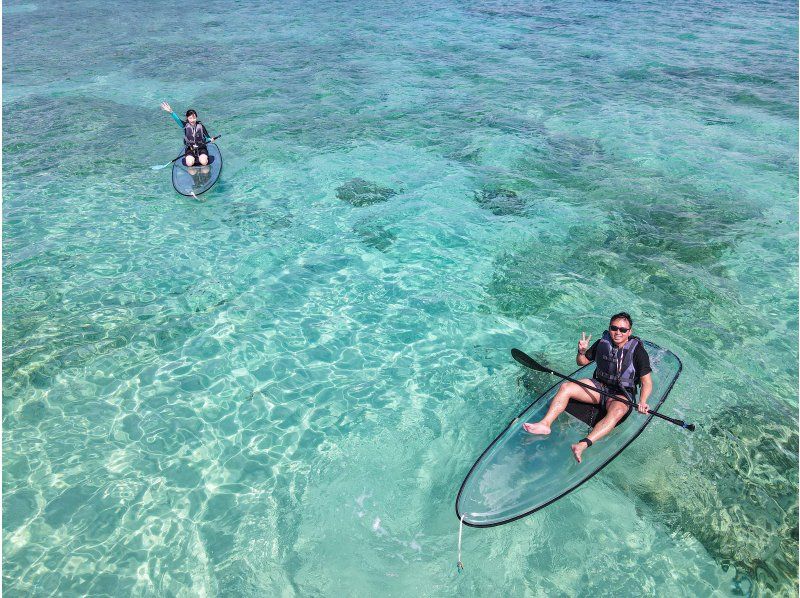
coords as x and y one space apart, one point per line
278 390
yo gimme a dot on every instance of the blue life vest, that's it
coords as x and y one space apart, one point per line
615 364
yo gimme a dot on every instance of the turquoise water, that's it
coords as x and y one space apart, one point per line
277 390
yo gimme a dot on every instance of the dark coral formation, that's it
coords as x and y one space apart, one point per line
500 202
376 237
359 193
736 492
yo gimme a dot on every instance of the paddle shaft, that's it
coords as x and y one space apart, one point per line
529 362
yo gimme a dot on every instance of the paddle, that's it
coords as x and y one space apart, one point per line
160 166
529 362
181 155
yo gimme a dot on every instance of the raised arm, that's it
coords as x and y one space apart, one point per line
583 346
166 108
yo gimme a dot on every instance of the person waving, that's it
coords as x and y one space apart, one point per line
195 137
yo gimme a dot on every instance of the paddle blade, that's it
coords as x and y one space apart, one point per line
528 361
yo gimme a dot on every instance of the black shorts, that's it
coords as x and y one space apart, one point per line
196 151
613 390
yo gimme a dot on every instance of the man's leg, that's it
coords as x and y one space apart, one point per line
568 390
615 411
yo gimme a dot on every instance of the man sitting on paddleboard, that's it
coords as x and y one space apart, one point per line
195 137
622 365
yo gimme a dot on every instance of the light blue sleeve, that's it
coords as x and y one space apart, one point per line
177 119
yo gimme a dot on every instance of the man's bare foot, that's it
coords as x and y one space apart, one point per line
577 450
537 428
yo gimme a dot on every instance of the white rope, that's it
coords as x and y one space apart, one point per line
460 565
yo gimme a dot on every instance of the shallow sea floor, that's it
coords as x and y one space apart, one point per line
277 390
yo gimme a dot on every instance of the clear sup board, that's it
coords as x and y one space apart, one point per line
197 179
520 473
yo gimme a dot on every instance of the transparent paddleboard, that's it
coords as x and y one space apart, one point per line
521 473
197 179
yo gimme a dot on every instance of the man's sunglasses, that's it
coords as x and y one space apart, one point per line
618 328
